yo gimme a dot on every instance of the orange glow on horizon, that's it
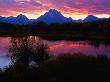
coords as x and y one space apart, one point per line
74 15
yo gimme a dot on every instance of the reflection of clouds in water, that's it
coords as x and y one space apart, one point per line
63 46
58 47
4 44
4 61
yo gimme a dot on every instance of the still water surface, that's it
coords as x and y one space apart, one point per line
59 47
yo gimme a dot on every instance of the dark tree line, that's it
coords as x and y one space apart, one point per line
98 30
100 26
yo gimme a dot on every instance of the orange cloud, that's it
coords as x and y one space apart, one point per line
73 8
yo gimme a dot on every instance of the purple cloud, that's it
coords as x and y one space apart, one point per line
82 7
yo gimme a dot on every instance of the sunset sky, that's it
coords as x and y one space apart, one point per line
77 9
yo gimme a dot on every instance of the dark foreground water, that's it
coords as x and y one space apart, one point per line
58 47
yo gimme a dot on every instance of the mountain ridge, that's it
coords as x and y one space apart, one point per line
52 16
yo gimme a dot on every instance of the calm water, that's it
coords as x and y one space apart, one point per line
58 47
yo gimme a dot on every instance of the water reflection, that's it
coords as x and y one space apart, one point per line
63 46
85 47
4 61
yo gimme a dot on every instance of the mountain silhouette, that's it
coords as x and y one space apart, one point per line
20 19
53 16
91 18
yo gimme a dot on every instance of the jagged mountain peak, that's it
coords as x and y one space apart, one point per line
53 11
53 16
